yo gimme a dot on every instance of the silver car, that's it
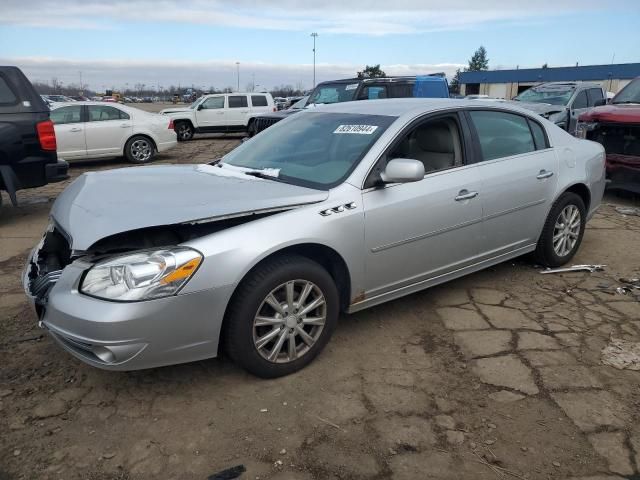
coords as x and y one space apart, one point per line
338 208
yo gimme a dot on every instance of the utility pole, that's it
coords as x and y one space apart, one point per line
238 71
80 72
314 35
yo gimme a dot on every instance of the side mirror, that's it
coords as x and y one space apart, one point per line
200 107
403 170
600 102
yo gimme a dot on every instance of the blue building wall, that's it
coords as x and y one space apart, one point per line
622 71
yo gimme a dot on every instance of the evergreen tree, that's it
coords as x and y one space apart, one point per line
479 61
372 71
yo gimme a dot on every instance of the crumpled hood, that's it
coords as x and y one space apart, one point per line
99 204
539 108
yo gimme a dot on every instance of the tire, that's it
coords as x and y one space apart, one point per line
550 255
251 129
139 149
184 131
245 336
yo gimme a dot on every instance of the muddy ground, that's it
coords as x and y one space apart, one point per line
497 375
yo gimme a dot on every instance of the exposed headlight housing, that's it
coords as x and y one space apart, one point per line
142 275
557 117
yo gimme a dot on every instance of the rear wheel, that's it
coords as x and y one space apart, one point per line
139 149
563 231
184 130
281 317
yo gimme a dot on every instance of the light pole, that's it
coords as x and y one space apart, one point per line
238 69
314 35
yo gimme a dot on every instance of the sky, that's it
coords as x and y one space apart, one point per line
121 43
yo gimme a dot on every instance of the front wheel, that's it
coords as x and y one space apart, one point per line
281 316
562 232
139 149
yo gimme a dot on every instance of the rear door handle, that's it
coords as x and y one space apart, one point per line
220 113
465 195
544 174
125 125
75 129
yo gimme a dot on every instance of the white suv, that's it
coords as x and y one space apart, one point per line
220 112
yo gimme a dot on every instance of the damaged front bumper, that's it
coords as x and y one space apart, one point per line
123 335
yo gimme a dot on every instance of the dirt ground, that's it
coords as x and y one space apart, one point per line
497 375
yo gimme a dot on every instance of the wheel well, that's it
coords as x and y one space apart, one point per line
582 191
330 260
142 135
183 120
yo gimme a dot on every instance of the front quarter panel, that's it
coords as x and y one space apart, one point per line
230 254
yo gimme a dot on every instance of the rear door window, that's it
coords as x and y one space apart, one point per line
594 95
502 134
100 113
238 101
259 101
72 114
7 97
538 135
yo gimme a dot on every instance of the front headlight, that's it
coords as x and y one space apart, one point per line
583 127
558 117
142 275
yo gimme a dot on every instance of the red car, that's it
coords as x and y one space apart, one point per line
617 127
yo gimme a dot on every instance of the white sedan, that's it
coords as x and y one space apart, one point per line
96 130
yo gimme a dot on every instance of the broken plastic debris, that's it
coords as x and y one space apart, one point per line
622 354
628 211
576 268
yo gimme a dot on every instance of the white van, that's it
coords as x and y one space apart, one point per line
219 113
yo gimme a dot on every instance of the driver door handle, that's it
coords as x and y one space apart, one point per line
544 174
125 125
465 195
75 129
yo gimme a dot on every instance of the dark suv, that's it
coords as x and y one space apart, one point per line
349 89
27 139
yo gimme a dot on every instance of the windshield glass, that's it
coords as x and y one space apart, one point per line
300 104
317 150
195 104
629 94
333 93
553 94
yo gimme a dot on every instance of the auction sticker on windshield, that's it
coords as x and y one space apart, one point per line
357 129
353 86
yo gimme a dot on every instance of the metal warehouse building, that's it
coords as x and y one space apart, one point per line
509 83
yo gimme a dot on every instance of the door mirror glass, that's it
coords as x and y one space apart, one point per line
599 102
403 170
200 107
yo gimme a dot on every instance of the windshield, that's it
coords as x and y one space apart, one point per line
333 93
629 94
300 104
317 149
553 94
195 104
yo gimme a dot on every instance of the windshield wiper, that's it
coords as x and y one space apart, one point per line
266 176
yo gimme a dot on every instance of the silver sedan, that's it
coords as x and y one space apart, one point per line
335 209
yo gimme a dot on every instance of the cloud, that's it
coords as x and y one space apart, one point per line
100 74
366 17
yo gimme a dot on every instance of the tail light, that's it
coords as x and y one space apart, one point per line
47 135
170 127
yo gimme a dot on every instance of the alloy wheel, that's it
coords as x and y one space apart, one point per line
566 230
141 150
184 131
292 314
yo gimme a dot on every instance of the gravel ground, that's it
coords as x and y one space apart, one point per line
497 375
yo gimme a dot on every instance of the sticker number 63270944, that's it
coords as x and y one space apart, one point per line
357 129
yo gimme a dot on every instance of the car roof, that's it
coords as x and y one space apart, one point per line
96 102
396 107
571 84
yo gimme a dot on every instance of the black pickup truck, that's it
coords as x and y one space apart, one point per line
27 139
